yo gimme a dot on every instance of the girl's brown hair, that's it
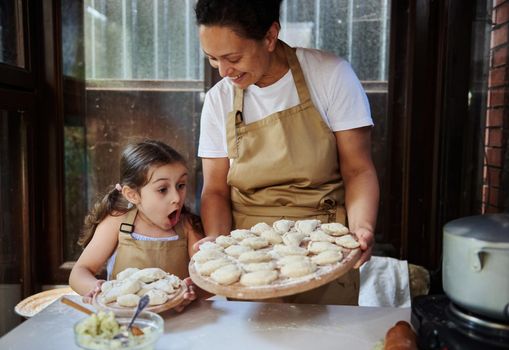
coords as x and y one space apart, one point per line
136 161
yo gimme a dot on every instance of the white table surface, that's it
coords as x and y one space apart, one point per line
230 325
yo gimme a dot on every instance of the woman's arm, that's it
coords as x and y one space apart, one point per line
215 198
82 279
361 185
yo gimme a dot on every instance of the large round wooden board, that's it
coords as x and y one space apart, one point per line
282 286
175 299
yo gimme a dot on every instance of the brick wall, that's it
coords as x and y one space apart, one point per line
496 161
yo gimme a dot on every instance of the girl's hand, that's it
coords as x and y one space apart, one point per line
189 296
87 298
210 238
366 240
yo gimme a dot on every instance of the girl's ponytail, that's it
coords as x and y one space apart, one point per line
113 203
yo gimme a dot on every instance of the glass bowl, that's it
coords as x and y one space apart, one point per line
151 323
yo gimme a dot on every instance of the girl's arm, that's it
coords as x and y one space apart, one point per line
82 279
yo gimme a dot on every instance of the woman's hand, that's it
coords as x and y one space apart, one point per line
189 296
87 298
366 240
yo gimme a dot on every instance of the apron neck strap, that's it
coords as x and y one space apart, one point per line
128 225
298 76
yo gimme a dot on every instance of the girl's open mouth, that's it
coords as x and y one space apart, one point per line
174 217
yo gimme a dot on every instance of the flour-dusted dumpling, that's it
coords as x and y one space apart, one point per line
251 267
327 257
175 281
164 285
292 259
157 297
225 241
226 275
306 226
236 250
283 250
128 300
210 246
124 274
347 241
149 274
293 238
318 247
335 229
241 234
321 236
210 266
128 286
106 286
205 255
297 269
260 227
254 256
272 236
258 278
255 242
283 226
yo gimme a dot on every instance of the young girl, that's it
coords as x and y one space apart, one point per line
141 222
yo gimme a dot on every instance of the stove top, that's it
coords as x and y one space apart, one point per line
440 324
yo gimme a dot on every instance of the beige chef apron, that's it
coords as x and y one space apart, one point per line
171 256
286 166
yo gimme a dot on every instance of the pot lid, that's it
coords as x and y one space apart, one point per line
489 227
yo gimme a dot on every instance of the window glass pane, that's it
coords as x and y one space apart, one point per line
355 30
11 33
142 39
11 222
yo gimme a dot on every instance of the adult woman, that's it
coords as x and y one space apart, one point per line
274 129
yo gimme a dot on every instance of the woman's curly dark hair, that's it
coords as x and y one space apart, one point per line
250 19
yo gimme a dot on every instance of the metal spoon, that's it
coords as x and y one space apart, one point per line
141 305
135 330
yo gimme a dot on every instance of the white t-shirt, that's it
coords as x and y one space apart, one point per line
334 88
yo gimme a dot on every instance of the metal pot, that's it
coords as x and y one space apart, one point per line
476 264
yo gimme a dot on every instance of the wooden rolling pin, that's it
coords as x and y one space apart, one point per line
401 337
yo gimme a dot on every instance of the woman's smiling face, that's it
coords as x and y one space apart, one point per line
243 61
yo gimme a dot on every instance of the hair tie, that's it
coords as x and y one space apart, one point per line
118 187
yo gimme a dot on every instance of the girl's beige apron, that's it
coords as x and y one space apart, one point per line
286 166
171 256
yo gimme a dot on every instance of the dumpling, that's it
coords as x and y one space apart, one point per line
149 274
283 226
306 226
335 229
157 297
128 300
260 227
226 275
293 238
225 241
124 274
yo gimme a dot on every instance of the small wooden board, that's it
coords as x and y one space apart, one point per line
33 304
282 286
174 300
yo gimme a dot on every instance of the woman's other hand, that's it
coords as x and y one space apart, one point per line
366 240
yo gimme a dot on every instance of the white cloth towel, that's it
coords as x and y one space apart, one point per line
385 283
